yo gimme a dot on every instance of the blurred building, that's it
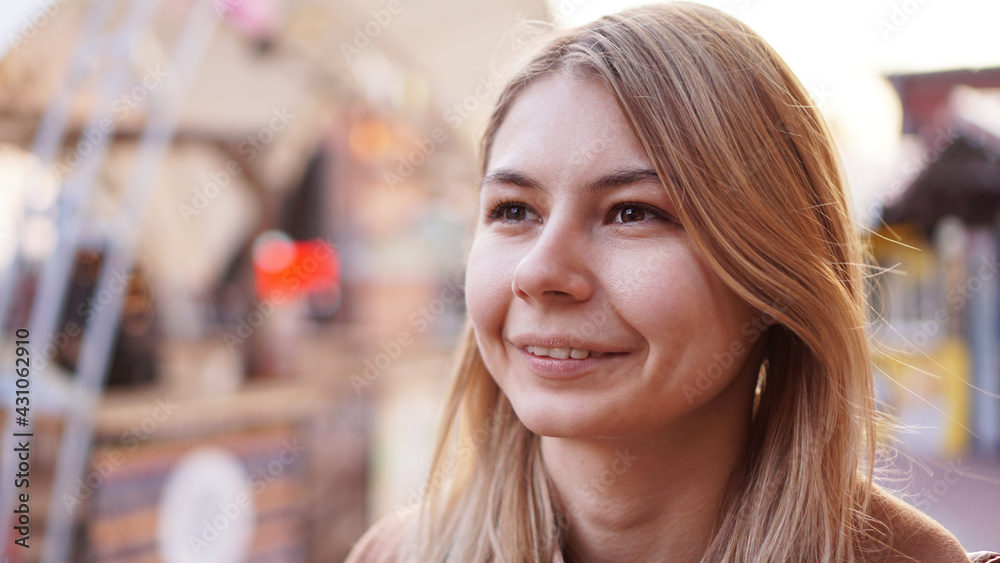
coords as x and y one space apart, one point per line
289 261
938 312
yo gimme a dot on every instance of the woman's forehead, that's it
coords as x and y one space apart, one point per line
566 124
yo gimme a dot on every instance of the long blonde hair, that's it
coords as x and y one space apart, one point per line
762 197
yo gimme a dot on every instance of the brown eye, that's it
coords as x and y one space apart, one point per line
631 214
512 212
515 213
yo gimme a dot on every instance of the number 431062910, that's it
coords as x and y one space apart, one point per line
22 365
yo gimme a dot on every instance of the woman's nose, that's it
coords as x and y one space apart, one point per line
557 267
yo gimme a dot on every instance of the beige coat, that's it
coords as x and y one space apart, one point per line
916 537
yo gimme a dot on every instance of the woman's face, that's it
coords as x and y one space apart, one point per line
592 309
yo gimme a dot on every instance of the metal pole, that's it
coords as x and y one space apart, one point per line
99 338
54 279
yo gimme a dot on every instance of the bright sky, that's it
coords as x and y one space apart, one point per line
16 19
814 35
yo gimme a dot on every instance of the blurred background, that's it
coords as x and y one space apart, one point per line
231 245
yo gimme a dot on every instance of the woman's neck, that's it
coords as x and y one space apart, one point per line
626 499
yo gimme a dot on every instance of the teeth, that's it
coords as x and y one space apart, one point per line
538 350
563 353
559 353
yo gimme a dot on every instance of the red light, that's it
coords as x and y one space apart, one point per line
287 269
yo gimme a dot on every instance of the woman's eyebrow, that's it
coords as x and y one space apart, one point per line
610 181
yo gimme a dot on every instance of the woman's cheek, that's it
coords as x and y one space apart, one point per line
487 288
670 306
475 293
655 287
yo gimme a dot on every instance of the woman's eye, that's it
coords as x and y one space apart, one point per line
632 213
515 213
512 212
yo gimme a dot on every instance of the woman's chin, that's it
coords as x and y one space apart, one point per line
556 429
546 420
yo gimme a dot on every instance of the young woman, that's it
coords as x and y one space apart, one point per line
666 356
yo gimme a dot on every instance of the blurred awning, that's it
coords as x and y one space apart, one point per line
962 178
295 72
964 181
296 55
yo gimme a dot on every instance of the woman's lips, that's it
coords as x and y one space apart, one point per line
560 353
559 368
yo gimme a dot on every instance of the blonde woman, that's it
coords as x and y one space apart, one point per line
666 356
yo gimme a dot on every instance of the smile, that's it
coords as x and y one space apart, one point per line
562 363
562 353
